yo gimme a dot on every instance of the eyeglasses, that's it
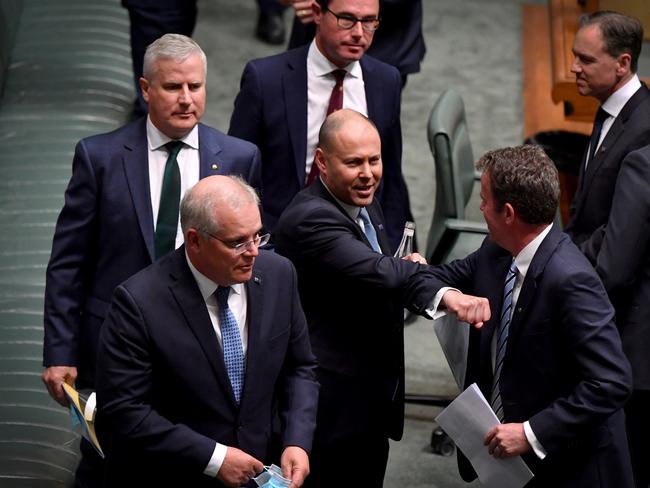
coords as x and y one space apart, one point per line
347 21
242 247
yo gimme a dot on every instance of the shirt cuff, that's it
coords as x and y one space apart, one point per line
433 311
539 451
216 460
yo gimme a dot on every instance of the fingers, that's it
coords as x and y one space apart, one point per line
54 377
416 258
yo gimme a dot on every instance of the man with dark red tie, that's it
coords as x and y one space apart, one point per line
284 99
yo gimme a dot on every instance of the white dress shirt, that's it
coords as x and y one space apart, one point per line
237 302
188 164
320 82
615 103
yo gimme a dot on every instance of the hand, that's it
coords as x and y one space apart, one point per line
468 308
54 376
303 10
295 465
238 468
416 258
507 440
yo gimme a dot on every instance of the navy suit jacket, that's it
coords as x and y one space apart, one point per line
105 233
353 297
592 202
271 111
620 252
163 391
564 368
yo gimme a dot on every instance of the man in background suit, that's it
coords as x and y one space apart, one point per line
197 348
550 359
620 252
606 50
109 225
284 99
354 293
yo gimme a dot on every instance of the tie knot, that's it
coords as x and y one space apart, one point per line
221 295
339 74
364 216
601 115
173 147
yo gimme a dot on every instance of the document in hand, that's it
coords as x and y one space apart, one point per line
82 412
466 420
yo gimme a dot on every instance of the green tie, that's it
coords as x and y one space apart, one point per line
170 195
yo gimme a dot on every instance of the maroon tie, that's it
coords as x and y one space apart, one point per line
336 103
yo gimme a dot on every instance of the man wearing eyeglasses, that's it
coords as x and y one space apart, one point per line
199 349
284 99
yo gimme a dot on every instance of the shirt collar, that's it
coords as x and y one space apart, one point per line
526 255
157 139
351 210
319 65
617 100
206 285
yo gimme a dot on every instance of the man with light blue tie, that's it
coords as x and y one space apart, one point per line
199 350
550 359
354 293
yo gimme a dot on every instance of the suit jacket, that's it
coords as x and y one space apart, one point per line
105 233
162 386
353 297
620 252
592 202
271 111
564 369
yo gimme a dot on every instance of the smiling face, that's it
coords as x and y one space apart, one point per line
342 46
598 73
176 95
351 164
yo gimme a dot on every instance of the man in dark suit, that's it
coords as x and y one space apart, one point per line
284 99
550 359
354 293
109 225
198 348
620 252
606 50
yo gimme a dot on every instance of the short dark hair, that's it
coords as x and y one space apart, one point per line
621 33
526 178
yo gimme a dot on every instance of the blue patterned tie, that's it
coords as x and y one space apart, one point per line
233 352
502 339
369 230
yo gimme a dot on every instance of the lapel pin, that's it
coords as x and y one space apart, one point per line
256 279
215 166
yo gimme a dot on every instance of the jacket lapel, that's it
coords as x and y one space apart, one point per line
209 149
294 84
255 314
190 302
136 168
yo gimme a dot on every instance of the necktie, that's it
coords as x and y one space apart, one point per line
170 195
369 230
233 352
335 103
601 116
502 339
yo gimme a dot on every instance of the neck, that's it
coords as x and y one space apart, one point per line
524 235
619 84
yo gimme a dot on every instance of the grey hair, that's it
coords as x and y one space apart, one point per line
170 46
198 206
526 178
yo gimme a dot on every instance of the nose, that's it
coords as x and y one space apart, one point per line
357 29
252 249
185 95
575 66
364 170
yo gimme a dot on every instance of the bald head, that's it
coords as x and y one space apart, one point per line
203 203
339 121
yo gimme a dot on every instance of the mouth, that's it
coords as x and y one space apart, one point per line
364 191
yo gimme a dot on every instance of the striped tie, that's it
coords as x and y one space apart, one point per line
502 339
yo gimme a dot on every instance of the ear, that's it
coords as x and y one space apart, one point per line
144 86
192 241
317 12
510 213
623 64
320 161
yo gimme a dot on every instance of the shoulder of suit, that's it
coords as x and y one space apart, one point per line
275 61
271 262
369 62
224 139
123 134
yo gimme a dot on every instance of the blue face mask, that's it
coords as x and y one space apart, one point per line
272 477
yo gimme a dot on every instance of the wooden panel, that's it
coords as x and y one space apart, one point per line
636 8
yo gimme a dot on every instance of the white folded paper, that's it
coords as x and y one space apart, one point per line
466 420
